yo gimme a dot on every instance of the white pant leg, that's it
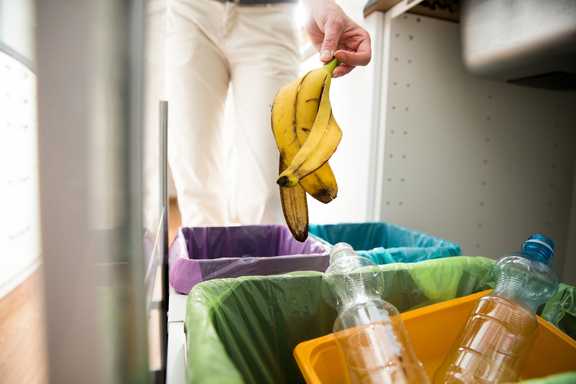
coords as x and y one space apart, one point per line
197 78
263 51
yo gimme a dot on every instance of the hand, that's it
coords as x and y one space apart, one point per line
334 34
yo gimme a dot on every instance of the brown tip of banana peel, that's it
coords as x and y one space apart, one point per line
287 181
301 237
325 196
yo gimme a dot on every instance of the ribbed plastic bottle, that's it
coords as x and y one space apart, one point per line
369 330
503 325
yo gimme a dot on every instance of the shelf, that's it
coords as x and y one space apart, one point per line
437 9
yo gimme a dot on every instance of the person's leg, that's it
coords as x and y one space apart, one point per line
197 83
263 50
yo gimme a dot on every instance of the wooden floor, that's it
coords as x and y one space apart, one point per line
22 348
22 343
174 219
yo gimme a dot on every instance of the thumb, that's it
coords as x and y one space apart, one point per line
332 31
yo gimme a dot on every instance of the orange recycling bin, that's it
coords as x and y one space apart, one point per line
432 331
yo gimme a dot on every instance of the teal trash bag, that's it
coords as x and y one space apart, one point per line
244 330
386 243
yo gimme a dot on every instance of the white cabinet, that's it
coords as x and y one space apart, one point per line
480 162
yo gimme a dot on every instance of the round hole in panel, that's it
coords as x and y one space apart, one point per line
480 225
485 162
409 61
410 37
393 107
396 59
395 83
477 245
400 203
391 156
487 139
484 183
405 132
397 35
402 179
482 204
488 118
407 85
392 131
387 203
389 179
417 19
404 156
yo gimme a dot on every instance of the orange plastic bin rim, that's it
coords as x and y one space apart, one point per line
432 330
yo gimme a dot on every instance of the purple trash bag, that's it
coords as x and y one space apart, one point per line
199 254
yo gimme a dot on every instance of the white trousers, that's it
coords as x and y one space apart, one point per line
226 175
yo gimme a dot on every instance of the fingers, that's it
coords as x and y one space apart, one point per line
332 31
342 70
362 55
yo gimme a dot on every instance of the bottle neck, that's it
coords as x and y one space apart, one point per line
528 283
344 277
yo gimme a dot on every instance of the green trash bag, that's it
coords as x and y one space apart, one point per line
560 310
562 378
244 330
385 243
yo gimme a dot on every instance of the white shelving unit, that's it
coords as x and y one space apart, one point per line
480 162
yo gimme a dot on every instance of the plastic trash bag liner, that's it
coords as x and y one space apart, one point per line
199 254
386 243
244 330
560 310
561 378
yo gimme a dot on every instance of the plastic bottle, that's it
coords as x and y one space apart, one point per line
502 327
368 330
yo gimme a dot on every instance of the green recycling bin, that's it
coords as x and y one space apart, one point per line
243 330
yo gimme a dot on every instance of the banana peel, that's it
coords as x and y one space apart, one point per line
295 208
307 135
321 143
293 115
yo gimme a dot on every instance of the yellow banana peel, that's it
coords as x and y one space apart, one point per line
307 135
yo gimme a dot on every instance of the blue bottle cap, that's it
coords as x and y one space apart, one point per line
539 248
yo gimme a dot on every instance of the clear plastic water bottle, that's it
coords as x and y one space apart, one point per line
502 327
369 331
